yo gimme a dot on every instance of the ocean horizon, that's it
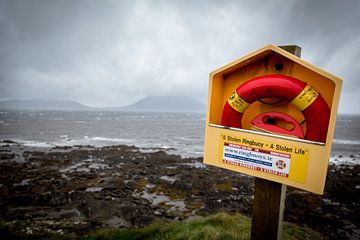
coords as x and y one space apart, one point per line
180 133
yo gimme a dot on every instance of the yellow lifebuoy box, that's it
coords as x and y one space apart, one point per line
272 115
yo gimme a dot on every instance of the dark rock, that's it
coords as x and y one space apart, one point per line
47 187
8 141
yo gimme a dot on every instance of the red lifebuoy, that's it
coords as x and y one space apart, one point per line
312 105
270 122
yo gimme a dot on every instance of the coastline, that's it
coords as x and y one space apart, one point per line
61 190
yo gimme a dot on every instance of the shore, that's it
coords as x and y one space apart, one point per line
75 190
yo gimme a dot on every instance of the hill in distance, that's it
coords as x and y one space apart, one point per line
153 103
167 103
41 104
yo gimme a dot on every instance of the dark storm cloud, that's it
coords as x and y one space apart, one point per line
115 52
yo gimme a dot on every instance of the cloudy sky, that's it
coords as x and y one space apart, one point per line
113 53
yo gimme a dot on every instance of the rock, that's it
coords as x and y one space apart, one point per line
115 196
9 141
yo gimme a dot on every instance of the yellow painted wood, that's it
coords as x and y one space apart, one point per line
263 61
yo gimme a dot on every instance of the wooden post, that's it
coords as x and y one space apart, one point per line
268 209
296 50
269 198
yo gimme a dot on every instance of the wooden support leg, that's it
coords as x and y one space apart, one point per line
268 210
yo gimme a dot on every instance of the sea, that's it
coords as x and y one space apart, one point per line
175 132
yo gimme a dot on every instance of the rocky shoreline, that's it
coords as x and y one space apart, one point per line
75 190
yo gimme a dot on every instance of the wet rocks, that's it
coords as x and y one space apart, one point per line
79 189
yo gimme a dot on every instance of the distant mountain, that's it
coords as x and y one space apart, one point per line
42 104
153 103
167 103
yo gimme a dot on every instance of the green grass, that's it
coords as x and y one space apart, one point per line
216 227
221 226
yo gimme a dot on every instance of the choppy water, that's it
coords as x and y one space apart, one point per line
176 132
181 133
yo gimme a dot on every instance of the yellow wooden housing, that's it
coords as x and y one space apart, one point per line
307 161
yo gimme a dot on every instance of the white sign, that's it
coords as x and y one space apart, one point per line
258 159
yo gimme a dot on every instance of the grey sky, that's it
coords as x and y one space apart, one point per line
112 53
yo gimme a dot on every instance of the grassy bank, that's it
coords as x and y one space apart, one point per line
219 226
215 227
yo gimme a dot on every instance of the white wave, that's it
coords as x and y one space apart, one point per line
346 141
348 160
67 142
105 139
30 143
64 140
185 139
